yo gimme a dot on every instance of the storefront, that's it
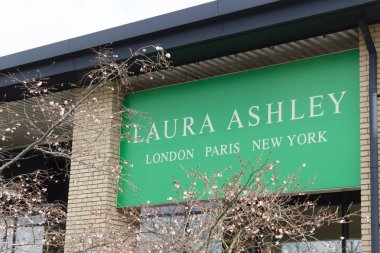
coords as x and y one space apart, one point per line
297 113
289 81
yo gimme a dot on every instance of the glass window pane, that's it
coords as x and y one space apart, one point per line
169 220
329 237
334 246
29 234
6 235
29 239
353 246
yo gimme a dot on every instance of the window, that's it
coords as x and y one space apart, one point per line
175 229
18 235
336 238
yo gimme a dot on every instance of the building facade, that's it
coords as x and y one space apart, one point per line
206 42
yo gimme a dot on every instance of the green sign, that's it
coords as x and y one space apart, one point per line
302 112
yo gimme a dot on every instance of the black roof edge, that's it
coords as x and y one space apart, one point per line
206 31
153 25
129 31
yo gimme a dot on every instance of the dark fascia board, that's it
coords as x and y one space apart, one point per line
129 31
210 24
109 36
230 6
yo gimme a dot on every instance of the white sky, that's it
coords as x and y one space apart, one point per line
27 24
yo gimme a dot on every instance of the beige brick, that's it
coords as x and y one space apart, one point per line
95 153
364 138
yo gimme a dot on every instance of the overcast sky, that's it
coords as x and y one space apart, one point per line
28 24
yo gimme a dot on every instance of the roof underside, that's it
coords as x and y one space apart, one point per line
292 51
310 47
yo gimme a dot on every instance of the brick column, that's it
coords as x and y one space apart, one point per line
92 216
364 136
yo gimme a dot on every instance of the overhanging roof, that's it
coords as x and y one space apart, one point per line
198 33
29 109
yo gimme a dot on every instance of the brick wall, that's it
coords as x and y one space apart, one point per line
92 215
364 136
